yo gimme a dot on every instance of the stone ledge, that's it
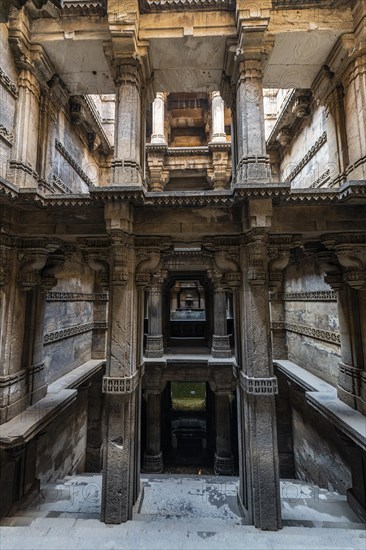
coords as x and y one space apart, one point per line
78 376
35 418
323 397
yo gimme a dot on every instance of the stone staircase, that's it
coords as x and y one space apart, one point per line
181 512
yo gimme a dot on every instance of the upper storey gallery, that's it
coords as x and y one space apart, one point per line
182 95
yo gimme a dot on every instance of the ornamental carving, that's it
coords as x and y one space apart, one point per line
257 258
260 387
120 384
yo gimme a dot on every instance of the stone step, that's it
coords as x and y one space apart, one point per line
175 535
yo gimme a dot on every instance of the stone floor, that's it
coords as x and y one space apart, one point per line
180 512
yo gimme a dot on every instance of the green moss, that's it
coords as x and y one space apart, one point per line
188 396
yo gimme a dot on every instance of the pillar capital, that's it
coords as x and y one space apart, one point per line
32 256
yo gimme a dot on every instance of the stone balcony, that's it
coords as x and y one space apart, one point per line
182 168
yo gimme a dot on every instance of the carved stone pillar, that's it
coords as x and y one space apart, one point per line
153 458
218 118
22 166
349 282
224 462
158 119
253 162
259 488
154 343
53 98
336 134
354 83
127 164
121 383
220 337
9 324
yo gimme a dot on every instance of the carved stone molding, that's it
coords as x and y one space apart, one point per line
57 182
261 387
6 135
309 155
6 81
310 296
319 334
76 297
61 149
56 335
120 384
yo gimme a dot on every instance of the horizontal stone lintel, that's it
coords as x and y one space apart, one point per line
323 397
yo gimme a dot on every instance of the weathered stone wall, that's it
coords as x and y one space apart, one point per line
320 455
311 321
69 321
305 160
74 164
64 454
8 95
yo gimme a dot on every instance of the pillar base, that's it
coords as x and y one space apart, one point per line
223 466
153 463
221 346
126 172
253 169
154 346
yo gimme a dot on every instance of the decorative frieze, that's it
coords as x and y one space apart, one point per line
258 386
76 297
321 180
57 182
311 296
319 334
6 135
8 84
72 331
120 384
309 155
61 149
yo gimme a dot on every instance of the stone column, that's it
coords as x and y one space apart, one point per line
153 458
157 148
218 118
220 338
158 119
126 166
121 383
22 166
253 162
154 343
259 488
224 463
52 101
354 83
336 135
349 282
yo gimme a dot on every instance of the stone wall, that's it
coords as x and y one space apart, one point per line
69 319
311 321
8 98
64 454
305 159
320 455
